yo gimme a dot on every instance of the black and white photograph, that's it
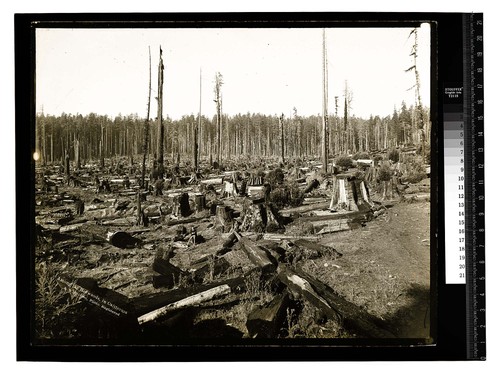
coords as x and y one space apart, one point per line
240 184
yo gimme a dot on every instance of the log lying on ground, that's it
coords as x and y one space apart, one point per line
109 314
299 285
351 316
70 228
212 181
266 321
305 208
193 300
124 221
281 237
186 297
318 248
257 255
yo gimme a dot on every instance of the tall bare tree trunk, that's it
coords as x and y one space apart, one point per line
218 102
282 137
146 127
197 129
325 107
161 128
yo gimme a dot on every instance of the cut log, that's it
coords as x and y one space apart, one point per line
257 255
266 321
193 300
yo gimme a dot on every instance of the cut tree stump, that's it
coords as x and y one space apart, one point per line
266 321
123 240
224 218
171 274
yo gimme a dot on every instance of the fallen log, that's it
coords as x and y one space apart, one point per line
123 221
266 321
305 208
300 286
281 237
257 255
70 228
354 215
351 316
318 248
193 300
212 181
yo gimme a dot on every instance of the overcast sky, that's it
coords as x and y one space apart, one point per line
270 71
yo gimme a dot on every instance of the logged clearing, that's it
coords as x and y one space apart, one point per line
278 254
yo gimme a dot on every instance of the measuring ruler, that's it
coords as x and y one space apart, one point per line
463 133
474 187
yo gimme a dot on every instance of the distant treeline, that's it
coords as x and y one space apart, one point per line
248 134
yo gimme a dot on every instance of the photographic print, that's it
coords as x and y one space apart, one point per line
212 184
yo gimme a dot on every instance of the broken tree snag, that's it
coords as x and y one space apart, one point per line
353 317
257 255
266 321
193 300
321 250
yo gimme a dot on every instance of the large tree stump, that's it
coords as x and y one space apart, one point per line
223 218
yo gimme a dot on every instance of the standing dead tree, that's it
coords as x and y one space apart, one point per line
420 112
161 128
146 128
218 103
197 130
282 137
325 107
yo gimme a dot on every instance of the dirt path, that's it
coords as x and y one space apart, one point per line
385 267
